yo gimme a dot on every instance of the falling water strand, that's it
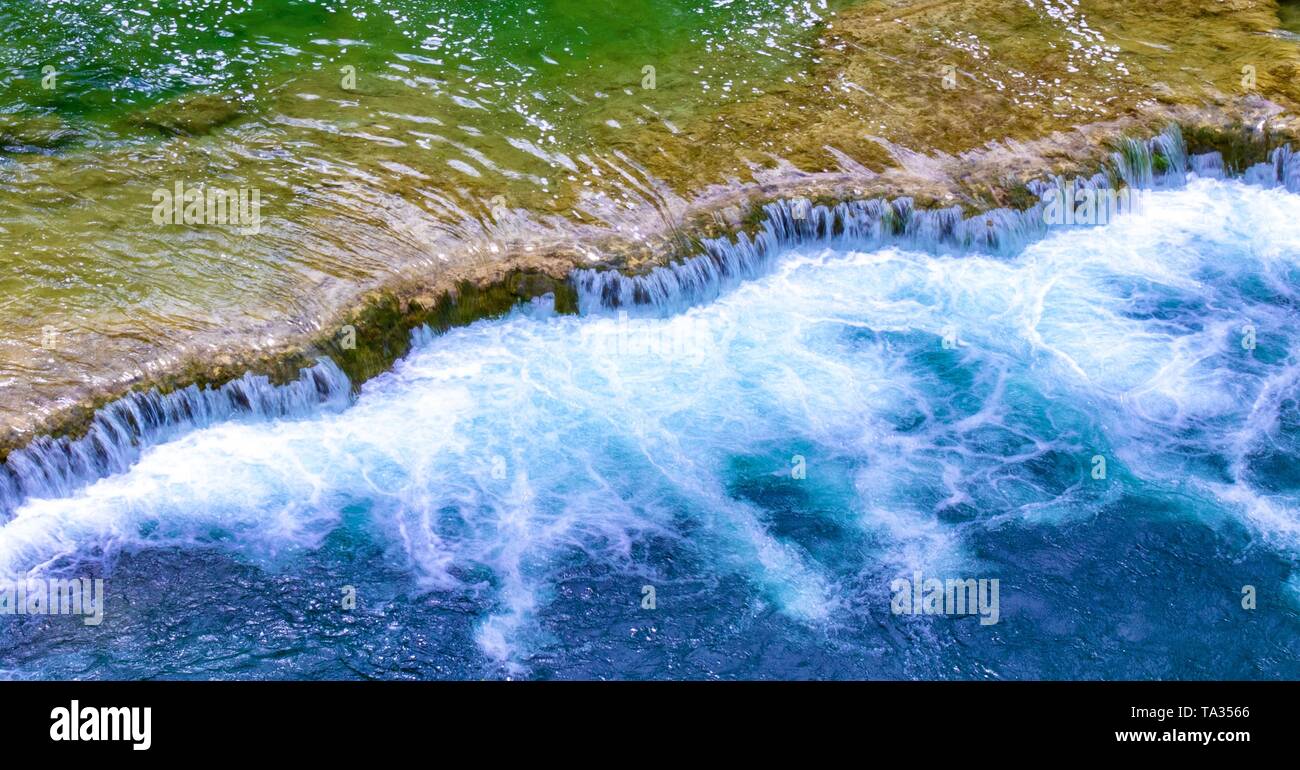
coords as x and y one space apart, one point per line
120 431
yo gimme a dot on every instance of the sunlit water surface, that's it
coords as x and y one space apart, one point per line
383 137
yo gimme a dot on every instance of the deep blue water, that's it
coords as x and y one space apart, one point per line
769 463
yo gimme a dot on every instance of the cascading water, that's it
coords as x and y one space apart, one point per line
1159 163
726 482
787 223
122 430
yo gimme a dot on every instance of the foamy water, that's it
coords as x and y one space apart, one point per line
844 419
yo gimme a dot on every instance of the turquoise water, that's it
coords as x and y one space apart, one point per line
768 463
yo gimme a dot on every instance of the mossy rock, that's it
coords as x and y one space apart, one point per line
34 133
381 331
1240 145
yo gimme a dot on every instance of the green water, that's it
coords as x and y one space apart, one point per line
115 60
385 137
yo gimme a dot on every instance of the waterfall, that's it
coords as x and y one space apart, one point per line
1208 165
787 450
1156 163
123 429
861 224
120 431
1163 162
1160 162
1282 169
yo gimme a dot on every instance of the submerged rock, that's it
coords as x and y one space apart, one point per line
194 115
34 133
